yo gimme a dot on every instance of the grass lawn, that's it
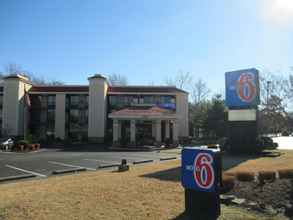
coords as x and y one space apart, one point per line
284 161
150 191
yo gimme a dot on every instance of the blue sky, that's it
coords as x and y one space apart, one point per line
146 40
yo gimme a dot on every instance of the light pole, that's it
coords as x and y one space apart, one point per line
268 91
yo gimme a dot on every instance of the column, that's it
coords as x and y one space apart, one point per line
119 129
115 130
14 104
97 109
60 103
175 131
158 131
167 129
132 131
153 129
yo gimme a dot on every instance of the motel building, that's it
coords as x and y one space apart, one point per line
97 112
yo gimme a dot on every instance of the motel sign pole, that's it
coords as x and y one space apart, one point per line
201 170
242 99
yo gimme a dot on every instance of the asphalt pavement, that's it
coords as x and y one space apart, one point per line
16 166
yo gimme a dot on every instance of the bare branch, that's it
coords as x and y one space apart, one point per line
199 91
181 80
117 80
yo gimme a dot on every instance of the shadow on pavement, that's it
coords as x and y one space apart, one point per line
87 147
174 174
77 147
230 161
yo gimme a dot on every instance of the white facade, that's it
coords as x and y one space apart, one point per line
98 87
16 110
13 110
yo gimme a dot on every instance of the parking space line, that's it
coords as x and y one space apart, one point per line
70 165
102 161
26 171
140 156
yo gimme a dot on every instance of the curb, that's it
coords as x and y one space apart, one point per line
108 166
143 161
18 177
56 172
168 158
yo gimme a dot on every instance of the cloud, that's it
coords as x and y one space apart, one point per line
277 12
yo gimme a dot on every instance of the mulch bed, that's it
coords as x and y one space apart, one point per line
277 195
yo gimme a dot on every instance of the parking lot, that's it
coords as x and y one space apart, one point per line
47 162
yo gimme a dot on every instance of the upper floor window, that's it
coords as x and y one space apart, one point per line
77 101
43 101
1 100
51 101
122 101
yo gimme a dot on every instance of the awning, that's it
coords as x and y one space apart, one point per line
143 113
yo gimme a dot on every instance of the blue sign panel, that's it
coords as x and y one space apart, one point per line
198 169
171 106
242 88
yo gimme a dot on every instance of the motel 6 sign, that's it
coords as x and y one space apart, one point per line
242 88
199 169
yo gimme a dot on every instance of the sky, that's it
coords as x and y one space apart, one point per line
146 40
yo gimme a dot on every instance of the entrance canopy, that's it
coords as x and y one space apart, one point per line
143 113
158 116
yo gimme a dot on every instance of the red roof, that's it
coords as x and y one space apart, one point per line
111 89
151 89
59 89
138 111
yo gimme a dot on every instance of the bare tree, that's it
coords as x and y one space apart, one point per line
290 90
275 90
13 68
274 85
169 81
117 80
199 91
181 80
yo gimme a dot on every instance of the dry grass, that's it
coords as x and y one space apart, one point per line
245 176
285 173
103 195
266 163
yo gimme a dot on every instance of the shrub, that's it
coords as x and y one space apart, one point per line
266 175
184 140
228 183
37 146
286 174
23 142
229 174
29 138
245 176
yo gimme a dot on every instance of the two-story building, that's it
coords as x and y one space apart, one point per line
126 114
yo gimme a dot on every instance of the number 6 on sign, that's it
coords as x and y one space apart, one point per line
203 170
200 169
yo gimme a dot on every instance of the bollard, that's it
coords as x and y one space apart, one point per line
201 178
123 166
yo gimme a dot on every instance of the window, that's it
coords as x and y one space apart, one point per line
1 106
74 101
42 115
76 116
1 100
51 101
134 100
